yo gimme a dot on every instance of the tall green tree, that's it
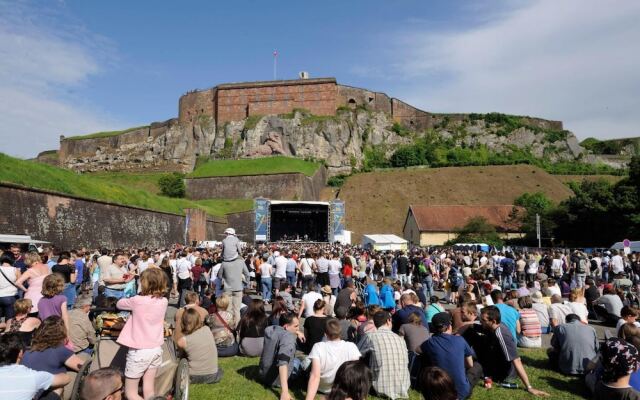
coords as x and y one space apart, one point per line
477 230
535 204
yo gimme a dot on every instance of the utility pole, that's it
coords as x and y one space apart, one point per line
539 236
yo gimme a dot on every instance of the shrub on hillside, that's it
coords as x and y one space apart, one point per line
407 156
172 185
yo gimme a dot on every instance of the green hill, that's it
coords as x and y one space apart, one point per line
254 166
42 176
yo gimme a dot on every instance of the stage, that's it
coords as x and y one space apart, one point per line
298 221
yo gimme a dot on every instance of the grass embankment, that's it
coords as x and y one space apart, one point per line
128 191
254 166
105 134
240 381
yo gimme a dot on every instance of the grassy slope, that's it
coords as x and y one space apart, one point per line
580 178
104 134
240 381
43 176
254 166
377 202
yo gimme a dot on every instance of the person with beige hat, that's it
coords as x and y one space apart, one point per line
330 300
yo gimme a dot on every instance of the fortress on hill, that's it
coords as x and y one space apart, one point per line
321 96
305 118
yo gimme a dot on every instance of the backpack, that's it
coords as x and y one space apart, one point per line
422 269
581 267
455 277
594 265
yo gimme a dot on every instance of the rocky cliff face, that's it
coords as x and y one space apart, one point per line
166 146
339 140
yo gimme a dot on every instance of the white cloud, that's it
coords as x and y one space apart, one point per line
573 60
43 61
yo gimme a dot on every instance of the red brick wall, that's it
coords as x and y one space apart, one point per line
236 104
196 103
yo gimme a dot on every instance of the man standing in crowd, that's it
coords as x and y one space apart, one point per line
115 276
498 353
183 272
280 265
232 271
388 358
278 362
402 268
451 353
573 346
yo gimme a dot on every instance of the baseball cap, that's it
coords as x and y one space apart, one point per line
441 320
230 231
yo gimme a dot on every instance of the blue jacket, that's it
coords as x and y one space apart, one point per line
386 297
371 295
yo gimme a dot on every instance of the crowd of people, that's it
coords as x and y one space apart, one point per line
340 321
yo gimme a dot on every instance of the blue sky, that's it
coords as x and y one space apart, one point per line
74 67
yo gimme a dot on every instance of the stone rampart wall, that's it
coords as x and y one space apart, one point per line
293 186
71 222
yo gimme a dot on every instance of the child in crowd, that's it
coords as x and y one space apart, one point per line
53 302
143 333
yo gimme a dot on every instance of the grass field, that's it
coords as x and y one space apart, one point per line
240 381
42 176
104 134
254 166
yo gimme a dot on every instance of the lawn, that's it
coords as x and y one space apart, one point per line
254 166
42 176
240 381
104 134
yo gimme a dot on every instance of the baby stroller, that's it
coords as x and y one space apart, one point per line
172 379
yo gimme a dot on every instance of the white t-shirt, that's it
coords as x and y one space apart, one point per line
214 271
281 267
19 382
556 267
334 267
331 355
6 288
309 300
306 265
580 310
622 322
183 268
617 265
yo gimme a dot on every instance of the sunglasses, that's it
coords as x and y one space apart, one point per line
120 389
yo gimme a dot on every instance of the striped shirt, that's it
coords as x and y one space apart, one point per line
529 323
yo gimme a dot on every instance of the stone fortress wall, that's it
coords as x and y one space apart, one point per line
207 119
237 101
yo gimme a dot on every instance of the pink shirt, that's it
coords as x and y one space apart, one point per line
145 327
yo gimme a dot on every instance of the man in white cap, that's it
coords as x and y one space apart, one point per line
233 267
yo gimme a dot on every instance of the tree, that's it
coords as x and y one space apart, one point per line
477 230
535 204
407 156
172 185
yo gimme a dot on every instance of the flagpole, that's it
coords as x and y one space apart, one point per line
275 63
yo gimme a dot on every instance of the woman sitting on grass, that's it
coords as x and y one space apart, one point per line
221 323
200 346
251 329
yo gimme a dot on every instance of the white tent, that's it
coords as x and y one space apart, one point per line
384 242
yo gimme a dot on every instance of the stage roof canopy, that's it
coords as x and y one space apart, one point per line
318 203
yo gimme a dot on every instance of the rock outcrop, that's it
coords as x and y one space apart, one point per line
168 145
339 140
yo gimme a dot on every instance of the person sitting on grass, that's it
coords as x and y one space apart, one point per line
573 345
498 353
620 359
353 382
200 347
251 329
436 384
278 362
327 356
104 383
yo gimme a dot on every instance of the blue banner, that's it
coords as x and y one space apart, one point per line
337 219
261 207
